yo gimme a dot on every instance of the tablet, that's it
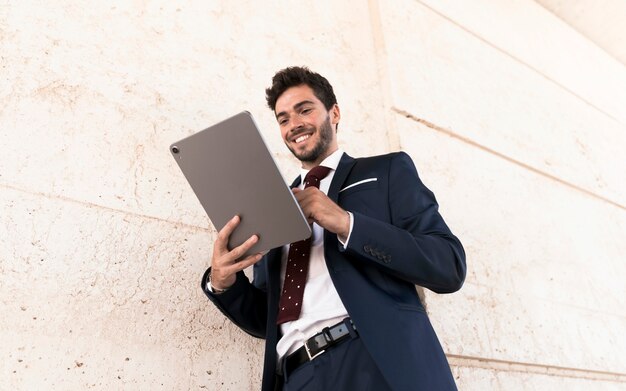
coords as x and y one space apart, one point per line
232 172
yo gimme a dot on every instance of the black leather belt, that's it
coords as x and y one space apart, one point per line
318 344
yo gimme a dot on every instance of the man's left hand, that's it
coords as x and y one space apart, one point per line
320 209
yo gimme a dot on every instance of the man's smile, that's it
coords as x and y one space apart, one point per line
301 138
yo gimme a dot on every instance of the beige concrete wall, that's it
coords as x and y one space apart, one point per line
514 120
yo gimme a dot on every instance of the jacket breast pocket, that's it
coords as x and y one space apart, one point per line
357 186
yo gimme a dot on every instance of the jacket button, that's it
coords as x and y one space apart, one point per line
367 248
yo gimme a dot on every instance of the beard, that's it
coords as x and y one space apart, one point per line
320 148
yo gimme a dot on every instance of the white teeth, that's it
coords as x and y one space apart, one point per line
302 138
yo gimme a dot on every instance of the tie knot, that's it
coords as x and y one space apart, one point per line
315 176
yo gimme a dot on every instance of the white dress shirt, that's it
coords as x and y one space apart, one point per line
321 305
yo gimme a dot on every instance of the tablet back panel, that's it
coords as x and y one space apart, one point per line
232 172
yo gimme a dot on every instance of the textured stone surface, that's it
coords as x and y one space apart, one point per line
599 21
83 284
102 243
542 260
479 379
95 102
446 76
541 40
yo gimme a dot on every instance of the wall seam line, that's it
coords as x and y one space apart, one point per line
94 205
581 33
505 157
384 81
523 62
525 367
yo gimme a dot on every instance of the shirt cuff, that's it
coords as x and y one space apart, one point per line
349 232
209 287
208 283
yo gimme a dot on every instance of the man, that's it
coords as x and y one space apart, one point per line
341 312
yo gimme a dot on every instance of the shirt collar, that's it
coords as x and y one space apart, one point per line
332 161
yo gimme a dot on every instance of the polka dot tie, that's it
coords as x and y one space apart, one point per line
297 269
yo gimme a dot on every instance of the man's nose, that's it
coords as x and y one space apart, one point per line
296 123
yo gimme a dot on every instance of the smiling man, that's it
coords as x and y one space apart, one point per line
340 311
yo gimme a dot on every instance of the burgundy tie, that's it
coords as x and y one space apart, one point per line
297 269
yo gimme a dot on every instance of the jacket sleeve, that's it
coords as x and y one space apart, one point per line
416 245
243 303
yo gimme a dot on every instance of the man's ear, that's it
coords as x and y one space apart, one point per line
335 114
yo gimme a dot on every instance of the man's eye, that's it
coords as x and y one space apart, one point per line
305 111
282 121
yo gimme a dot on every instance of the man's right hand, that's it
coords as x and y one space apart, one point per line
225 264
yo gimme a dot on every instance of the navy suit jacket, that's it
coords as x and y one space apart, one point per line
398 240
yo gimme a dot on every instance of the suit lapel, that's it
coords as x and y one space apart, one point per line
330 240
273 273
341 174
296 182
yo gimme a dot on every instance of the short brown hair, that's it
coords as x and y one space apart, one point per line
297 76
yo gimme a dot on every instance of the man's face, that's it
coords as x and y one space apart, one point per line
307 128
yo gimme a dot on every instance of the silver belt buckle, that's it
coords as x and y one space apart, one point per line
308 352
